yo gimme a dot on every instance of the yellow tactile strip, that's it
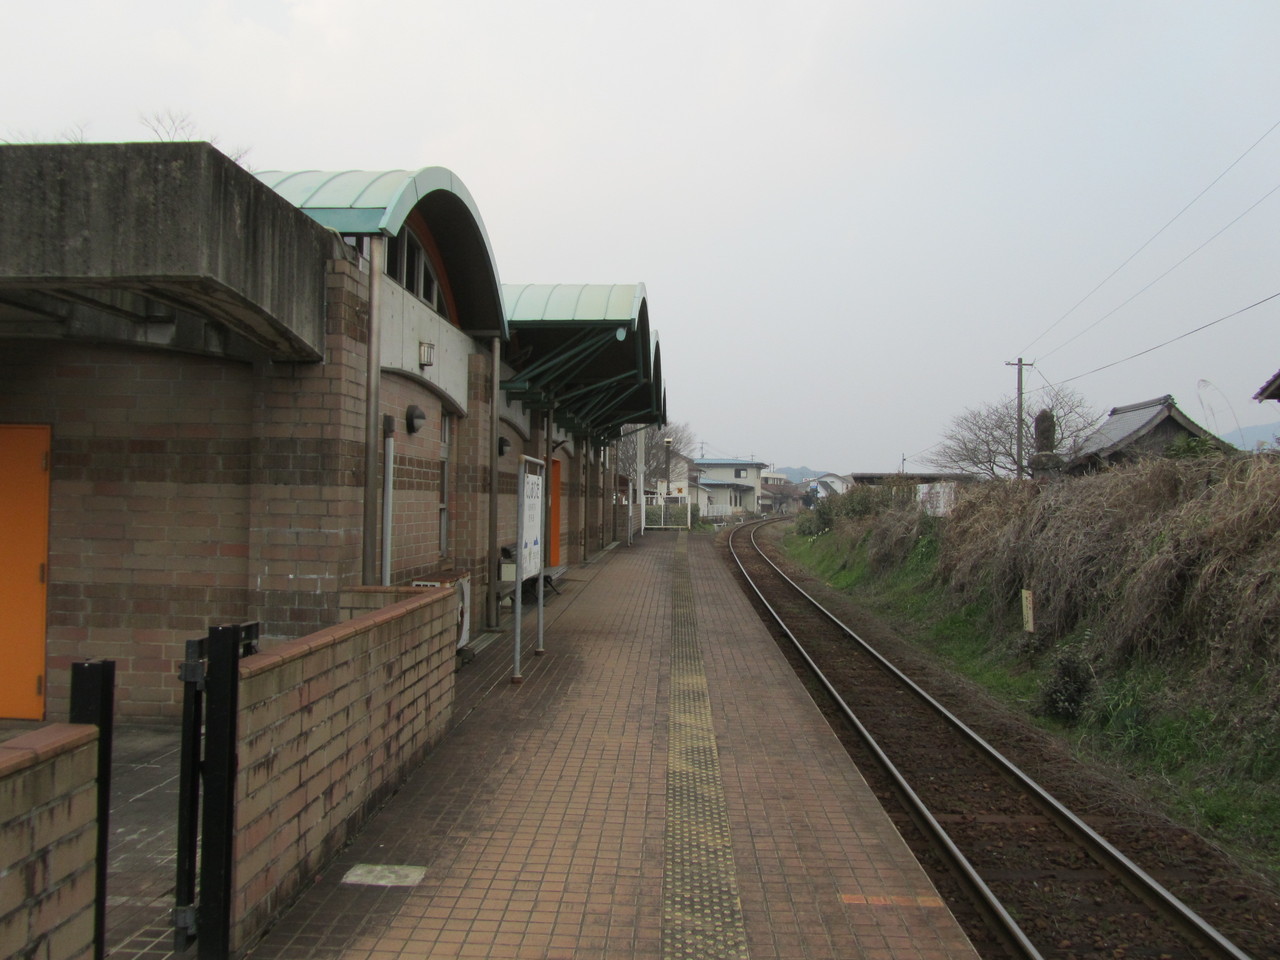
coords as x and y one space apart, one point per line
701 912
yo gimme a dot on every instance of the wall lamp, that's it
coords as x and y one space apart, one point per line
503 445
426 354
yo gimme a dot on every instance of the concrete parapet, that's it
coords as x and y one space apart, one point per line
174 223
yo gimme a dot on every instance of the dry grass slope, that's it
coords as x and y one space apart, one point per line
1156 559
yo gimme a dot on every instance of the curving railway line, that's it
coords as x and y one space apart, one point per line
1027 876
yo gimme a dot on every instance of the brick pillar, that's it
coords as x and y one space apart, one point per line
470 461
308 470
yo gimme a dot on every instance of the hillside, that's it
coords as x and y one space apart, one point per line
1248 438
1156 606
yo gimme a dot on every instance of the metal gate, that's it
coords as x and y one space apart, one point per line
667 512
210 677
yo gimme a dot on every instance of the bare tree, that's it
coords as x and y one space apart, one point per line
171 126
983 440
75 133
651 440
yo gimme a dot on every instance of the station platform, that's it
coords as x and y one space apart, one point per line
659 785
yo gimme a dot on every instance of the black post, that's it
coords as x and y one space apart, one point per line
93 686
223 688
184 912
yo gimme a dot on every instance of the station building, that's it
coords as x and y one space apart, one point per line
230 397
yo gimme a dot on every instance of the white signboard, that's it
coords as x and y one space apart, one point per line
531 526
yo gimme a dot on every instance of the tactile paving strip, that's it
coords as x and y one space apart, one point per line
701 912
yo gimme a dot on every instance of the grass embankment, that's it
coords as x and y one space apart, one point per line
1157 599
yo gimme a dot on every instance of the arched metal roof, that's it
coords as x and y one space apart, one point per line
575 303
364 202
586 350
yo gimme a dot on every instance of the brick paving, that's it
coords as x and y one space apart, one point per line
541 825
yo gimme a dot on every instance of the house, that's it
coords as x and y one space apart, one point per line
230 397
1269 390
1136 431
777 494
729 486
826 485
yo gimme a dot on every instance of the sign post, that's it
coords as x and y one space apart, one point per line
529 549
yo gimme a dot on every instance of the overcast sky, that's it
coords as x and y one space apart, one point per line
850 216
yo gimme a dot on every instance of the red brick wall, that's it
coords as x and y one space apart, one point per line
329 725
48 842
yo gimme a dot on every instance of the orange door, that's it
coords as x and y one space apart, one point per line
24 552
553 517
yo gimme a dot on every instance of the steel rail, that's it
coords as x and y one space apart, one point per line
1137 880
984 900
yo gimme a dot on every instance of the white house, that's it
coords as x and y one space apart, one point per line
828 485
728 487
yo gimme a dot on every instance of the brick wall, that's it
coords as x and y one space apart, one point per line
420 464
329 726
305 508
470 491
148 505
48 838
188 491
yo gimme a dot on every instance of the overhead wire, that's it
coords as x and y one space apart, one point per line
1149 241
1179 263
1181 336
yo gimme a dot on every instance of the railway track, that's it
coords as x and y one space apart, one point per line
1028 877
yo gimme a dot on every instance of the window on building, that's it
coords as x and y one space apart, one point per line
740 473
408 265
394 267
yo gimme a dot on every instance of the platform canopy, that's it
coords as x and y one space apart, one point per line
366 203
585 351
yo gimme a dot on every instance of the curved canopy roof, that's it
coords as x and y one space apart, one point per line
586 351
364 202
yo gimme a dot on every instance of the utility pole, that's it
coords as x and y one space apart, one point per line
1018 425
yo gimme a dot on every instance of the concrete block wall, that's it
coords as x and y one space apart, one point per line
48 841
329 726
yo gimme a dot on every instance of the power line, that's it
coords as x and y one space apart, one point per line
1125 303
1151 239
1182 336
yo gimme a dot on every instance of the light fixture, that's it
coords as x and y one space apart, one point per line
503 444
414 418
426 354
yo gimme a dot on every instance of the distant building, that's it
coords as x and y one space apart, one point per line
1137 431
827 485
728 487
777 494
